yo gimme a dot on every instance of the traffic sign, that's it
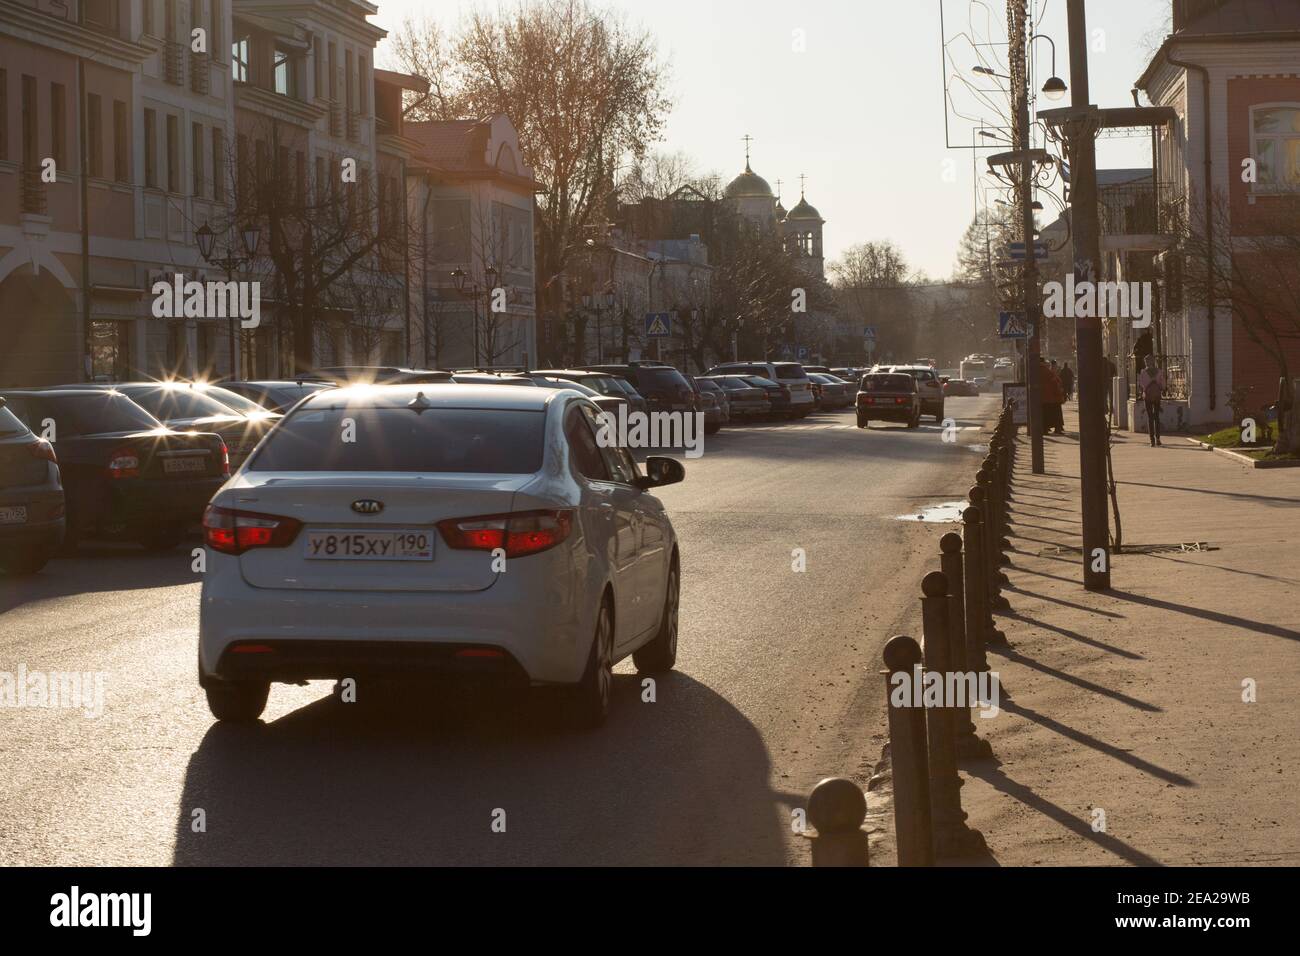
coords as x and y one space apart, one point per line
869 332
658 325
1012 325
803 352
1016 250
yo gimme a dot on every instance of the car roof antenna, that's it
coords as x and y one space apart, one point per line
420 402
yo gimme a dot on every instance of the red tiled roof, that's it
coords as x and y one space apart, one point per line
450 144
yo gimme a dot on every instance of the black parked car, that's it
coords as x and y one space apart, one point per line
126 476
31 498
275 396
664 388
378 374
778 395
613 386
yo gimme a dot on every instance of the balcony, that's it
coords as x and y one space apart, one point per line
1138 209
199 73
174 63
34 199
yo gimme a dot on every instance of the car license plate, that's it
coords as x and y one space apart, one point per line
13 514
178 466
403 545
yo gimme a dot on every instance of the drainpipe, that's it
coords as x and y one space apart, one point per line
1209 217
85 219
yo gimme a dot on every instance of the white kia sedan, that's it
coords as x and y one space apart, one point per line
437 530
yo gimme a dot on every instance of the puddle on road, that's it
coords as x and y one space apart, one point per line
982 449
937 514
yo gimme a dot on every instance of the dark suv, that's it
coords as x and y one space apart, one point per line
664 388
31 498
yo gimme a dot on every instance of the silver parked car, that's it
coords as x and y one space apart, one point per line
488 532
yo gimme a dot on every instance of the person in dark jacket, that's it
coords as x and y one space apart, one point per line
1143 347
1067 381
1052 397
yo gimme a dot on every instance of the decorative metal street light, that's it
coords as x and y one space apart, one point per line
1055 87
250 235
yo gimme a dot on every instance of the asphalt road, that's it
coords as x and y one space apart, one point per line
777 685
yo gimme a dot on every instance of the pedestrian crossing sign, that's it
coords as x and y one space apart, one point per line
658 324
1012 325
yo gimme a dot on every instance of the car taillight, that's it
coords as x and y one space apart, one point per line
124 463
517 533
43 450
225 459
231 531
899 401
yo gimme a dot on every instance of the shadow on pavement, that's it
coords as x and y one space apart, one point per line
683 780
97 568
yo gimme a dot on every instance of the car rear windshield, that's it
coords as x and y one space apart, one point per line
708 385
603 385
10 425
888 383
168 403
789 370
761 381
662 378
475 440
732 384
288 394
93 414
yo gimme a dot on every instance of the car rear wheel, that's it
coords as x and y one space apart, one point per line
588 703
237 702
23 560
863 422
915 420
938 416
660 654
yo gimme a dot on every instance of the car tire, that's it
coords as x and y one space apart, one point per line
22 561
863 422
660 653
237 702
938 416
914 421
588 700
161 539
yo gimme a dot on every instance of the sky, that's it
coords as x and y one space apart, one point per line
850 94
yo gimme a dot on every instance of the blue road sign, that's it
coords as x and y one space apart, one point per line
1016 250
869 332
658 325
1012 325
803 351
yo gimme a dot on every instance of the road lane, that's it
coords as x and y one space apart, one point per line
776 686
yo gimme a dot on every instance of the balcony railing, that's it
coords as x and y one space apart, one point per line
336 119
199 74
1138 209
34 198
1178 372
174 63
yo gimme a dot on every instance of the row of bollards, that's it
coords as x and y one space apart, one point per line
931 728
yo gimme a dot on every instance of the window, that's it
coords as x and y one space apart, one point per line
239 60
333 80
364 104
284 78
121 143
4 114
1275 135
583 450
350 86
101 14
150 149
300 178
173 154
214 29
148 17
282 185
318 67
218 164
30 129
241 169
95 134
58 127
169 19
110 359
196 152
320 179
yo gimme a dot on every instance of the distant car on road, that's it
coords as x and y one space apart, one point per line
604 383
381 559
836 393
126 476
959 386
664 388
275 395
744 400
888 397
928 386
778 395
31 497
791 375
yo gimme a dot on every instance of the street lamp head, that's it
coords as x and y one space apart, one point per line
205 238
983 69
1054 89
609 298
252 236
490 274
458 276
586 300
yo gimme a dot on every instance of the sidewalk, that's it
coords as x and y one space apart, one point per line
1130 702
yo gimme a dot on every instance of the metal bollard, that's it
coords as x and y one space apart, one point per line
951 835
996 576
909 758
836 808
991 635
973 587
968 743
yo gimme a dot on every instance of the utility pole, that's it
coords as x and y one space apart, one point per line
1094 432
1018 32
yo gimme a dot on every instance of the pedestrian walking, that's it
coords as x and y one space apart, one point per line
1151 383
1143 347
1067 381
1052 397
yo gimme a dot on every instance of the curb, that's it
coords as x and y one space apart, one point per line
1246 459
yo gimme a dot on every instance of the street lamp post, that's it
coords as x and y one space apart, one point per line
472 290
250 236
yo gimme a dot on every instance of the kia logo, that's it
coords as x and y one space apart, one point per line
367 506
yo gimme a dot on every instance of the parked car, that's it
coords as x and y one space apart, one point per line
377 560
664 388
379 375
712 412
959 386
835 392
606 403
493 378
276 395
31 497
604 383
744 399
187 406
889 397
778 395
928 386
720 396
789 374
126 476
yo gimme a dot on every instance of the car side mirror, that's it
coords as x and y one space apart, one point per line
661 471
